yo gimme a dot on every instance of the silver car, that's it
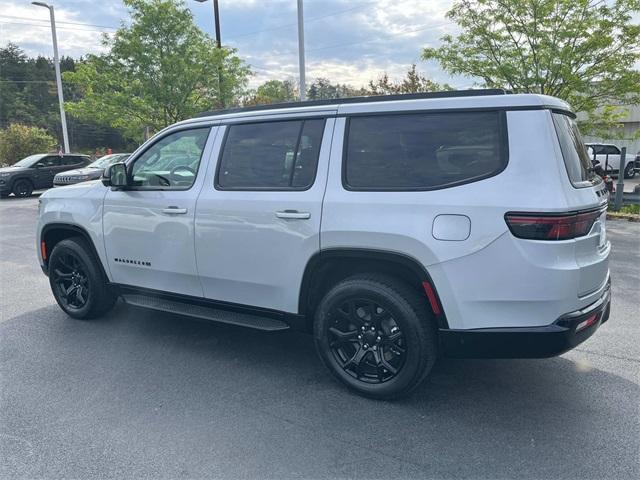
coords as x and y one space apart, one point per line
93 171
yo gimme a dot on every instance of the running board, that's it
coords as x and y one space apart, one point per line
206 313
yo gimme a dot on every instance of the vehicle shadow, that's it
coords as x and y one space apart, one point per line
480 418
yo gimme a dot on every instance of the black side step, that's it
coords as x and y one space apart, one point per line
206 313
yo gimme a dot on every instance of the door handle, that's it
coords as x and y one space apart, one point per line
293 214
174 210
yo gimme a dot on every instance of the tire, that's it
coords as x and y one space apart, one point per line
404 336
22 188
77 280
629 170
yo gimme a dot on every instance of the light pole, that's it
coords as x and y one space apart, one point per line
303 86
216 21
56 64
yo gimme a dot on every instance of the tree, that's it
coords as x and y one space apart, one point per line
273 91
19 141
413 82
159 70
323 89
582 51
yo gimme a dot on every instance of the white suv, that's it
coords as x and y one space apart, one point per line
396 229
609 158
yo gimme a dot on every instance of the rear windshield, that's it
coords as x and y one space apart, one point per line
575 155
423 151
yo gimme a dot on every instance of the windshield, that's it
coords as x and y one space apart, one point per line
104 162
29 161
574 152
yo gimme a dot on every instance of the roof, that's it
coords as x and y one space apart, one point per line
457 99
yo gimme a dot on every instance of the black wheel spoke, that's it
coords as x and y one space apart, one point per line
366 340
342 337
60 274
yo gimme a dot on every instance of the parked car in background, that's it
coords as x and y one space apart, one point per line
609 157
36 172
93 171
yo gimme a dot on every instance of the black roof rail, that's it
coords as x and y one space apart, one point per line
372 98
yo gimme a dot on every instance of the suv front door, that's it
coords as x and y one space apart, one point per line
258 215
45 170
149 226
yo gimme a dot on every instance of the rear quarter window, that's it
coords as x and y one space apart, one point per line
574 152
423 151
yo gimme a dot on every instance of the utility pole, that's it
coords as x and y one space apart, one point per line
56 64
303 85
216 21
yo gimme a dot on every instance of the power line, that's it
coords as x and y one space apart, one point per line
58 22
59 28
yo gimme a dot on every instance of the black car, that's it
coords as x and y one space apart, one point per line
93 171
36 172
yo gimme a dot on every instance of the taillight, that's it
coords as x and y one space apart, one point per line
542 226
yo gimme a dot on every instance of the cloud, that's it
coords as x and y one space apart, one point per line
346 41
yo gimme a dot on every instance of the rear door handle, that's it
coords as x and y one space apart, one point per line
293 214
174 210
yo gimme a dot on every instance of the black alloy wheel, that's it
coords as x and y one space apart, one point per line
630 171
77 280
376 335
366 341
71 281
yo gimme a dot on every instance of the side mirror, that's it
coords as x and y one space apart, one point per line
115 175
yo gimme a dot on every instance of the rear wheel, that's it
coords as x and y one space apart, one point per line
630 171
77 281
375 335
22 188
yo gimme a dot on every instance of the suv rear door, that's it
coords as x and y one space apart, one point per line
258 216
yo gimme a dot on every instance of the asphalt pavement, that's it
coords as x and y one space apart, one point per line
142 394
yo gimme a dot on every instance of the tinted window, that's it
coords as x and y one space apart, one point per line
50 161
72 160
271 155
575 155
423 151
611 150
172 162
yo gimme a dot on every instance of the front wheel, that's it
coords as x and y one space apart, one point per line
630 171
77 281
23 188
376 336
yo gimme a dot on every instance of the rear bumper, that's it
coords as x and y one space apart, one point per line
535 342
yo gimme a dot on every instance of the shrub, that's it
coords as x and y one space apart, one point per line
19 141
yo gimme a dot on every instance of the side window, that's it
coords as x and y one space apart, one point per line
172 162
423 151
270 155
611 150
71 160
50 161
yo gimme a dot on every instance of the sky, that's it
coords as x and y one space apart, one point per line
346 41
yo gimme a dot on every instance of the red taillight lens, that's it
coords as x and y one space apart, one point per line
539 226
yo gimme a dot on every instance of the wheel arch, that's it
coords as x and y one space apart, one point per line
22 177
329 266
53 233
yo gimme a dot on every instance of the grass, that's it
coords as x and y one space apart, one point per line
632 209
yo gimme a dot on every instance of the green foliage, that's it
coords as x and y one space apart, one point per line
323 89
28 96
413 82
582 51
633 209
160 69
19 141
273 91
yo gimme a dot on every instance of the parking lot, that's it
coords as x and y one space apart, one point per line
147 394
